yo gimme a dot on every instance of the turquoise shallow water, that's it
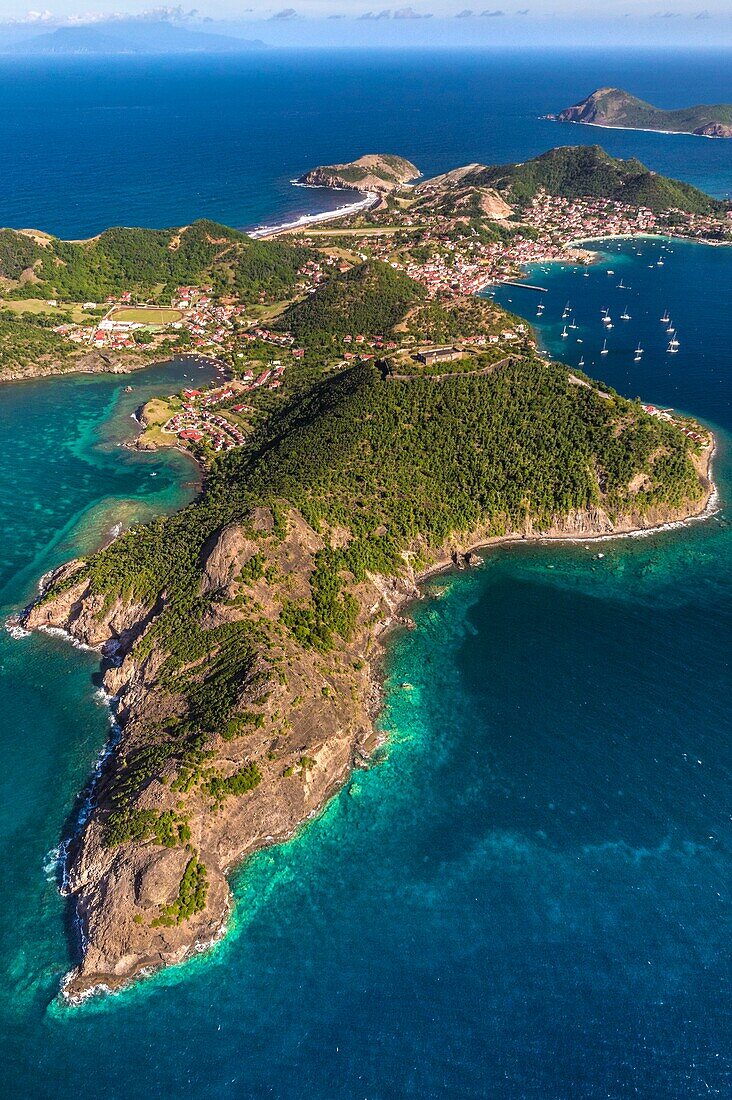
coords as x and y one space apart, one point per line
528 894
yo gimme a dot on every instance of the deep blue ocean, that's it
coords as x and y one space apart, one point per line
528 893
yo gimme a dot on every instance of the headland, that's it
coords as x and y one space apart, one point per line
613 108
378 422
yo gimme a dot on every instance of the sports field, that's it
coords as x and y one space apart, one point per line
147 315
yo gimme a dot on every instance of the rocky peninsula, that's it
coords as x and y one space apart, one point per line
380 421
377 173
237 638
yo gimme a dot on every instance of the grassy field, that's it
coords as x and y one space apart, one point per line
147 315
38 305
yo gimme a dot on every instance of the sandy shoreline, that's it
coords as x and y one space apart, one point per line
367 200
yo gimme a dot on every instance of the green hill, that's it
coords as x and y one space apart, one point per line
370 300
587 171
614 107
376 172
252 612
392 462
148 262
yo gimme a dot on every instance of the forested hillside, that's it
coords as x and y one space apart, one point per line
370 299
150 263
575 172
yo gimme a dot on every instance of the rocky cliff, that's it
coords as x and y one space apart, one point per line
380 173
153 890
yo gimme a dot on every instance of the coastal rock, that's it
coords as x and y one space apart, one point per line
87 617
379 173
715 130
223 557
316 724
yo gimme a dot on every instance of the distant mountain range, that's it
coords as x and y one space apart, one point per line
614 107
126 36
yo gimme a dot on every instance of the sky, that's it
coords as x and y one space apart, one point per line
704 23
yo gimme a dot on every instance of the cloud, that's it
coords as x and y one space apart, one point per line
286 13
703 15
177 14
410 13
492 14
374 16
523 11
466 13
666 14
34 17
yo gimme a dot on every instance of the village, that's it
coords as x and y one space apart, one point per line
552 229
441 253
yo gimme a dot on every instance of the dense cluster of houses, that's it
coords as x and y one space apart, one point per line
467 264
196 423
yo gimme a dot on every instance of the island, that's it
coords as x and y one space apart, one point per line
378 421
616 108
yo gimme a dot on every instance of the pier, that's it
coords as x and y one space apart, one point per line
524 286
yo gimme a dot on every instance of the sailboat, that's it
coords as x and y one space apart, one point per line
621 285
638 353
665 319
671 330
659 263
673 342
625 316
603 350
582 361
565 334
566 312
573 323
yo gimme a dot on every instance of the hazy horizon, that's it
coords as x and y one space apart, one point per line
351 24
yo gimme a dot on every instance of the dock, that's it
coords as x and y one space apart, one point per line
524 286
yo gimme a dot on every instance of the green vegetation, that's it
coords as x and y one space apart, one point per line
18 253
28 338
191 897
246 779
397 465
164 828
148 315
438 322
379 468
614 107
574 172
253 570
151 263
368 300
